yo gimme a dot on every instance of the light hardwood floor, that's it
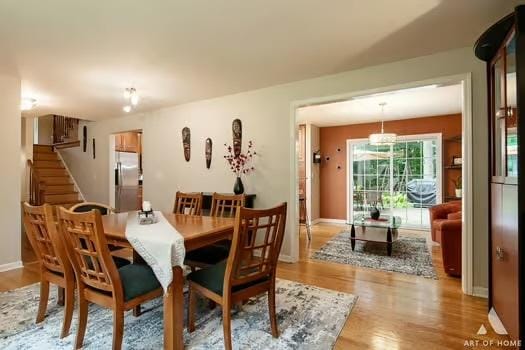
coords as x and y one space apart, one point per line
394 310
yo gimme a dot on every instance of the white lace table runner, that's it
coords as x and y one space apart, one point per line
159 244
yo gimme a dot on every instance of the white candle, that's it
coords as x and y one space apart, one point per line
146 206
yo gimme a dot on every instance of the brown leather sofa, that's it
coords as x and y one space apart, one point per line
446 228
441 212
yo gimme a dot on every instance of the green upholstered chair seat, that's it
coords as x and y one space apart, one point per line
209 255
212 278
137 280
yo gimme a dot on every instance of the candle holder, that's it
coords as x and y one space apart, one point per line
146 217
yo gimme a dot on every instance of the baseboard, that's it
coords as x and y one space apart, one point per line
481 292
332 221
315 221
11 266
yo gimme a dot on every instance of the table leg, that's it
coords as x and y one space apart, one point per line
174 312
389 241
352 237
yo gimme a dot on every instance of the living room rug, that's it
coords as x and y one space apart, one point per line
410 255
308 318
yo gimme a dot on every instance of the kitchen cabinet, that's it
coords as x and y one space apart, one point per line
128 142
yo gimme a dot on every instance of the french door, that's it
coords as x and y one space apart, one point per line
402 180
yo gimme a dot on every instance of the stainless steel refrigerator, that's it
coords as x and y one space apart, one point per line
127 189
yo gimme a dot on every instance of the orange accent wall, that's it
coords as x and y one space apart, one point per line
333 171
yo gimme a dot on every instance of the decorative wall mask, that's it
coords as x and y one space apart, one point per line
208 149
186 142
84 138
94 152
237 136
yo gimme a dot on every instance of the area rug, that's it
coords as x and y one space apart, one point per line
308 317
410 255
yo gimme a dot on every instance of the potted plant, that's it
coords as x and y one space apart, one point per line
458 183
240 165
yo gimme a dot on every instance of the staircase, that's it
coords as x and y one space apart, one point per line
51 182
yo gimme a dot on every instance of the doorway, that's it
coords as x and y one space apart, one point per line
465 168
126 170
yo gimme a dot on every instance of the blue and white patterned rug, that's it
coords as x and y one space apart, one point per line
308 317
410 255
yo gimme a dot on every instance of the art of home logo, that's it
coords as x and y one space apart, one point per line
498 328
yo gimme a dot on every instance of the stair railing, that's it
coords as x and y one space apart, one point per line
36 186
65 129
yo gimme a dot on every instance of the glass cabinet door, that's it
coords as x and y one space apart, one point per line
511 110
499 131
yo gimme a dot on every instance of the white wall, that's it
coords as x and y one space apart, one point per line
45 130
266 116
313 185
10 186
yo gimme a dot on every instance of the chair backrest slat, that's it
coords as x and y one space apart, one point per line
87 247
226 205
35 223
188 203
257 241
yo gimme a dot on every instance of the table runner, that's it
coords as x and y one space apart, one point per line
159 244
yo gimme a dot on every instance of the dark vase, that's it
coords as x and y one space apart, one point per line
238 188
375 213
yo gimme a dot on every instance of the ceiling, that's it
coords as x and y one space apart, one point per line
77 57
401 104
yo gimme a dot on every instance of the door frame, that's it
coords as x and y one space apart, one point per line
465 79
349 169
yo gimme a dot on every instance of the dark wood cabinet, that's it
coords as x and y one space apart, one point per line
502 46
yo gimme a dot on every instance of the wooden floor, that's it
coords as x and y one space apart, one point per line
394 310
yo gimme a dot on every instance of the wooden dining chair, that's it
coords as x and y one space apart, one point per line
88 206
98 279
55 267
249 269
222 205
188 203
119 252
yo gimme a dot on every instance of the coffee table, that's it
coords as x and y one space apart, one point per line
382 230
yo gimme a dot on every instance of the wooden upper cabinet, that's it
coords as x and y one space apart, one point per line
128 142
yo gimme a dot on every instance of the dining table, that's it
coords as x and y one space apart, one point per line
197 231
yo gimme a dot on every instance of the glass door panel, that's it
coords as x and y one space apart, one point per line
400 180
499 118
512 112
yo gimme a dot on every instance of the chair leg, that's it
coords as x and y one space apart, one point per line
68 309
118 328
271 307
191 309
61 296
226 324
137 311
44 297
82 320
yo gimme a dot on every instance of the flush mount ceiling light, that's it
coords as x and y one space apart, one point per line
382 139
27 104
130 94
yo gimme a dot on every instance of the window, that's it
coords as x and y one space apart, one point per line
401 180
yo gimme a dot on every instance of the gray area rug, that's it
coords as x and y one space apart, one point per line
410 255
308 317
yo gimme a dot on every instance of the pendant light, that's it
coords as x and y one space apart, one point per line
382 139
